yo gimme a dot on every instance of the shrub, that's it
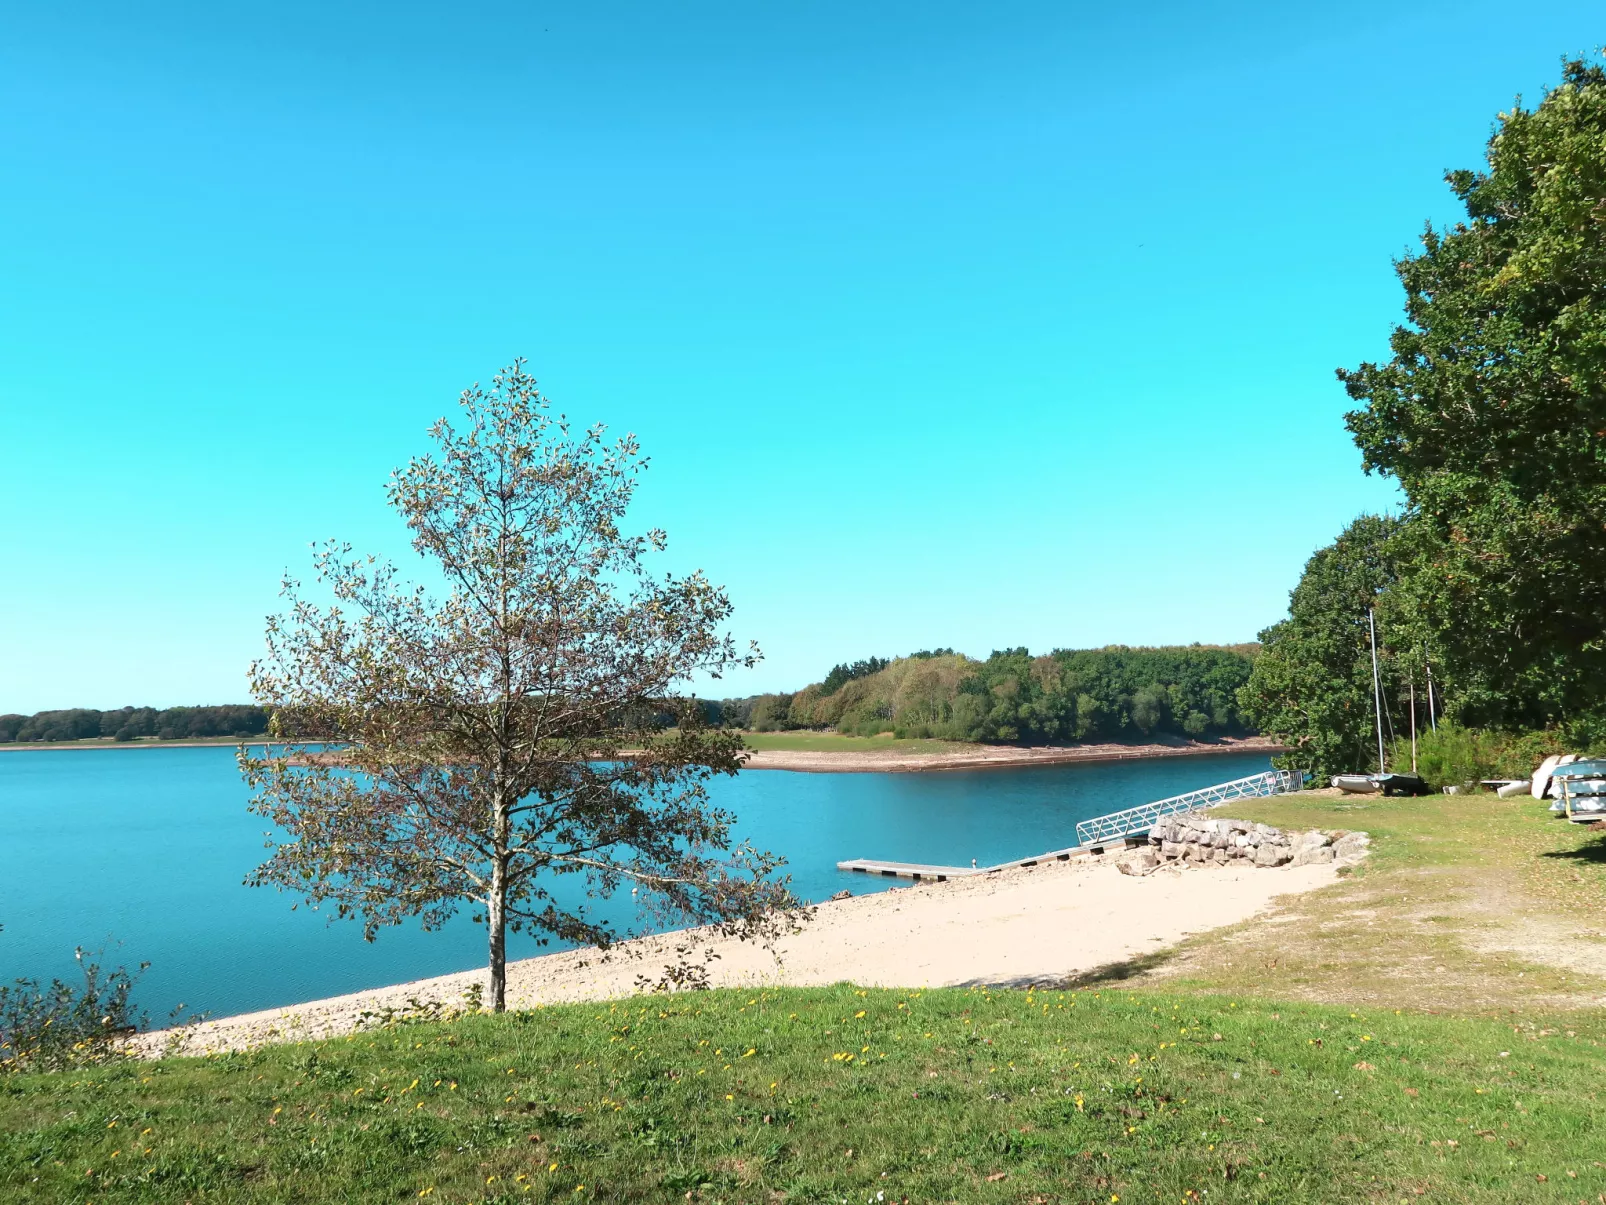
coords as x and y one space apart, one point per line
57 1025
1452 756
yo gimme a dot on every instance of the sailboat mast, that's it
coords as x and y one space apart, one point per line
1377 690
1413 725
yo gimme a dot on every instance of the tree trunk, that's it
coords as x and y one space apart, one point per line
496 921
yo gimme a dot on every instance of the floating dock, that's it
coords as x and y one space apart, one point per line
941 874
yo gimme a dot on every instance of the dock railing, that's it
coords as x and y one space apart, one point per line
1137 820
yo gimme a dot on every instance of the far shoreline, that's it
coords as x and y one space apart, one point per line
219 742
991 757
890 760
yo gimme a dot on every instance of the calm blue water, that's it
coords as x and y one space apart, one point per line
148 847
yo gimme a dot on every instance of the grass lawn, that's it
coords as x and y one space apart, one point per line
1468 903
1428 1028
839 1095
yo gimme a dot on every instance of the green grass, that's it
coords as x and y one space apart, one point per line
1467 903
840 1095
831 742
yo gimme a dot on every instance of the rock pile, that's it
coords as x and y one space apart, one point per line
1196 840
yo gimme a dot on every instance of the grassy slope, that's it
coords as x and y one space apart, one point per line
838 1094
653 1098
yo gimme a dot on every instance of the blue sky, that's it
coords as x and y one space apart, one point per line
973 325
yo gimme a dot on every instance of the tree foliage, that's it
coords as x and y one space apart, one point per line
1491 414
1068 695
135 723
1311 686
508 737
841 675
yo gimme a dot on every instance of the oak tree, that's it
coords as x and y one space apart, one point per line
1491 414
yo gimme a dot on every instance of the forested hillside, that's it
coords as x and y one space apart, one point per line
1114 693
134 723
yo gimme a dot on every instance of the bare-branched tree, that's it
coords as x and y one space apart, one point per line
520 726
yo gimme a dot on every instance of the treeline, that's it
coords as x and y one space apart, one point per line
134 723
1068 695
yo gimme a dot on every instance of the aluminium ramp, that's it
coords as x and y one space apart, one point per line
1132 822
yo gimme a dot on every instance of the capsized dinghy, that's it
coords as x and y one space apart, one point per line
1389 784
1357 784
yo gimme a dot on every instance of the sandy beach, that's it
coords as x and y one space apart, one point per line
991 757
1044 925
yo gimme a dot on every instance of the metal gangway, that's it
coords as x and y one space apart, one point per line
1129 823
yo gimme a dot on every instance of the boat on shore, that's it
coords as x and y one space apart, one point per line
1581 790
1387 784
1357 784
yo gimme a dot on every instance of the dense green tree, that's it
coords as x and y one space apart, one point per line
841 675
134 723
1311 686
769 713
1491 414
1068 695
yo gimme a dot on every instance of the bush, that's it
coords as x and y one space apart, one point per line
1452 756
1517 755
1457 756
46 1027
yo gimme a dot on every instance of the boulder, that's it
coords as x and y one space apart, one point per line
1272 855
1352 847
1138 862
1310 855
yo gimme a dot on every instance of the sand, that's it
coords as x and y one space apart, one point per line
990 757
1045 925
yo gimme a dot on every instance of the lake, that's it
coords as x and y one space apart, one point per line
143 851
